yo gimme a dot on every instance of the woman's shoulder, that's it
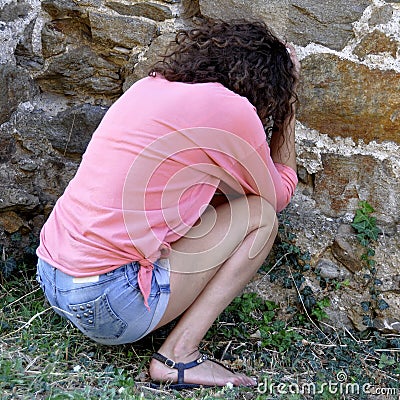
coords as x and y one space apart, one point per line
211 90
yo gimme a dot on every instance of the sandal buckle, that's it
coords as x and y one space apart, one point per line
169 363
202 359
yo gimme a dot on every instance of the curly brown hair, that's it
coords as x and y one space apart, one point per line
244 56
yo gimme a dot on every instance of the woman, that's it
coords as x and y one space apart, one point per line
173 208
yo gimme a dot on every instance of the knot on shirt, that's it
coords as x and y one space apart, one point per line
144 262
144 279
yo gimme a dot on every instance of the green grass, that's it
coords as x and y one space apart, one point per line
44 357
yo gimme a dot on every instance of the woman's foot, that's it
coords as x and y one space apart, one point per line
208 372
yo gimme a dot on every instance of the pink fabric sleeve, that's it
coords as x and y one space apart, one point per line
289 182
284 178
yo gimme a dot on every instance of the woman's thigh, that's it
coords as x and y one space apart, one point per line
196 258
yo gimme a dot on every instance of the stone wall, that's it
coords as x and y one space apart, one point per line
64 62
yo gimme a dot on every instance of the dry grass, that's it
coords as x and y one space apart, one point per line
44 357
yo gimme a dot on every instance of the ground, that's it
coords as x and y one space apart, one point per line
292 352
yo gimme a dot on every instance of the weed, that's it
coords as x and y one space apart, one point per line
319 309
385 361
367 231
48 358
340 284
250 316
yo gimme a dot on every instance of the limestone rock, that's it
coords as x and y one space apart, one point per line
387 313
381 15
121 30
328 23
16 86
348 251
11 11
346 179
72 129
190 8
11 222
330 270
302 21
154 11
135 69
81 73
315 231
24 53
11 197
59 9
57 35
68 131
375 43
387 256
349 100
7 149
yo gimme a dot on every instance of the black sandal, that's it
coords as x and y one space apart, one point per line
181 367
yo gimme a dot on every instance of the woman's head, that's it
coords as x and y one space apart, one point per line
244 56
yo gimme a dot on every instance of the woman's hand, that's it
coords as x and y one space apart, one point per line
296 63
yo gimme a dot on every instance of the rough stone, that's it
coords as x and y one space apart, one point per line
381 15
67 131
328 23
7 149
135 70
24 53
334 244
338 318
57 35
375 43
11 11
86 60
387 256
16 86
302 21
315 231
348 251
190 9
59 9
38 168
387 317
53 40
83 74
349 100
12 197
328 269
71 130
11 222
121 30
346 179
27 164
274 12
154 11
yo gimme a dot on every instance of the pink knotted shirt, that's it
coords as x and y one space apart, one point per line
154 162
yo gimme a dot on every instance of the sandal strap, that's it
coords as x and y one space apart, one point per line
181 367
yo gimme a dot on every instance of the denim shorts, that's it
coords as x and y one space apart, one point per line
110 309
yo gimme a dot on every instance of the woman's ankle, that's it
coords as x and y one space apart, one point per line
180 346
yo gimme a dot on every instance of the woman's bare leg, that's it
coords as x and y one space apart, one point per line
221 265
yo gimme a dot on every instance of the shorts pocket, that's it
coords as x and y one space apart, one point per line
97 319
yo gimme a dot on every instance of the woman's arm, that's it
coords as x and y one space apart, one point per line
282 144
283 137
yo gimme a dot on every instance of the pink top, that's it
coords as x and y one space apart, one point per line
154 162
